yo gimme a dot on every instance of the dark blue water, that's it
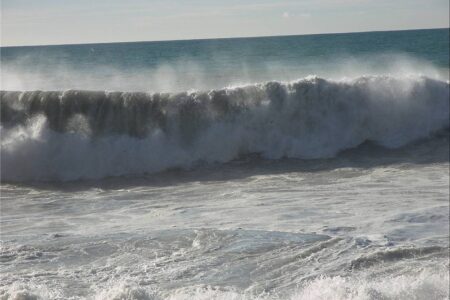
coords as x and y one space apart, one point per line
203 64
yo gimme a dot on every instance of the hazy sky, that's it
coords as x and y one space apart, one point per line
32 22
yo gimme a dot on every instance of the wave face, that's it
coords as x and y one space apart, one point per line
70 135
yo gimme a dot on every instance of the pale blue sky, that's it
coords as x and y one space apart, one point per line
38 22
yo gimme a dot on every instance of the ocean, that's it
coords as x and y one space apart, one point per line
291 167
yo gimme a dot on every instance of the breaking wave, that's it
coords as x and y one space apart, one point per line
70 135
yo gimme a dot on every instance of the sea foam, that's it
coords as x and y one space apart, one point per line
425 285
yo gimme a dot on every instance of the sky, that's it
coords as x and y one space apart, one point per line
43 22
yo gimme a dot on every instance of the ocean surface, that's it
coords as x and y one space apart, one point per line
296 167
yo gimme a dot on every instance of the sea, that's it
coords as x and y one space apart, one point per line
290 167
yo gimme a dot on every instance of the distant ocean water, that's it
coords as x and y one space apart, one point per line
297 167
178 66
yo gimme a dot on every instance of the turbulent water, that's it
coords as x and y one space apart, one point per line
224 169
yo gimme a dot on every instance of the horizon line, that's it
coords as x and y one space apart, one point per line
219 38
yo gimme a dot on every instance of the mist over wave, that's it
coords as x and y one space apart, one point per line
74 134
182 74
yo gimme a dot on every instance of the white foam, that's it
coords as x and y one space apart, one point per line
427 284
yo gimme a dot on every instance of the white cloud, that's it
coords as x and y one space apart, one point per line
285 15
